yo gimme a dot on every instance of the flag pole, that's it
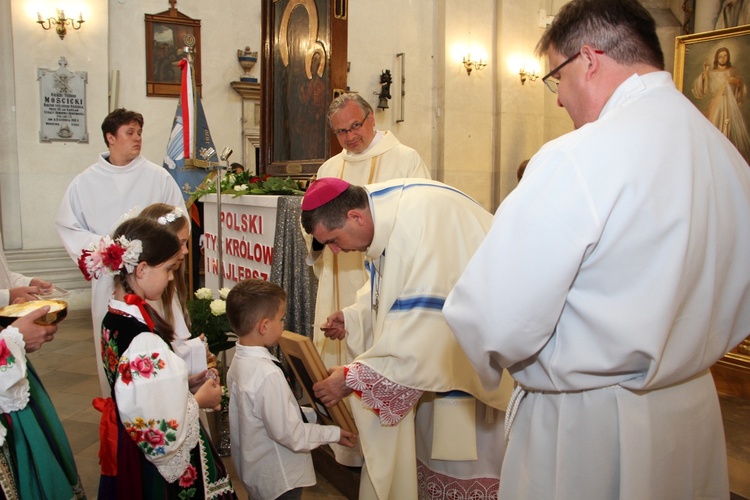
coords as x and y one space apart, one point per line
225 154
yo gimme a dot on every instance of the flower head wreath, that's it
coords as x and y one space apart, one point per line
109 257
172 216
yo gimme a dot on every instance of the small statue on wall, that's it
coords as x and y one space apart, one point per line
385 89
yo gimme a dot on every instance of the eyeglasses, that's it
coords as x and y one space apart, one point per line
341 132
552 82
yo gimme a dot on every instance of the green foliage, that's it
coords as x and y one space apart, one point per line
245 183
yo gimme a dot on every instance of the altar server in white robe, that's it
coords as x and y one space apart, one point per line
614 276
368 156
120 180
417 236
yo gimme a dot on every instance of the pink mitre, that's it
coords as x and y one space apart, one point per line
322 191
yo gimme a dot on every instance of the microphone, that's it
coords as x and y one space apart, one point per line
226 153
207 153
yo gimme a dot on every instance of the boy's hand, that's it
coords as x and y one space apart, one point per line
348 439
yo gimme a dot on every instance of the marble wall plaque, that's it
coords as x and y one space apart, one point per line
62 96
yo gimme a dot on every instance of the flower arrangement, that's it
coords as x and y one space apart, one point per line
109 256
209 317
243 183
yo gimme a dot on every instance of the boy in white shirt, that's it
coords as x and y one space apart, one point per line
270 442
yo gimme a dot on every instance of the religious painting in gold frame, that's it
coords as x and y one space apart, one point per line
308 368
711 66
167 36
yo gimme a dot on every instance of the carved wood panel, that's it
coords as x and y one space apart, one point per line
303 67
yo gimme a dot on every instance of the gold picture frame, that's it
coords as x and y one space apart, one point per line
167 35
703 78
696 55
308 368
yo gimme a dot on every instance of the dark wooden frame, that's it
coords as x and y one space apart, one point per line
334 42
178 23
309 369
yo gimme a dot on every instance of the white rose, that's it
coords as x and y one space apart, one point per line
224 292
204 293
218 307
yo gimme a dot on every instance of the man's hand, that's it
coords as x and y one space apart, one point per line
22 294
43 286
334 327
332 389
33 334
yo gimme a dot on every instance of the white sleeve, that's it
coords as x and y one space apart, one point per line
157 409
14 386
71 225
192 352
282 418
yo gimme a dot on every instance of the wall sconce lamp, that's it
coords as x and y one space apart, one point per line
470 65
60 23
530 75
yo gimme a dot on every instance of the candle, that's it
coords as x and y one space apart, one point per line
39 16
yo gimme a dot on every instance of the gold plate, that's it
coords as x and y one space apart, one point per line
58 309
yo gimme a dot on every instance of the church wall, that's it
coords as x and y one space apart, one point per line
524 114
473 131
113 38
378 31
469 104
44 169
226 26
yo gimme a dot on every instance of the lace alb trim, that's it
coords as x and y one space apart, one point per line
433 484
175 467
391 401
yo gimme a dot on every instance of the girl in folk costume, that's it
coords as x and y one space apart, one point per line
173 303
152 443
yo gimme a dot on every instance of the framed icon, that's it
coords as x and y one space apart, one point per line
308 368
712 69
169 36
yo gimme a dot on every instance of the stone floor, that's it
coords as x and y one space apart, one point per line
67 369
